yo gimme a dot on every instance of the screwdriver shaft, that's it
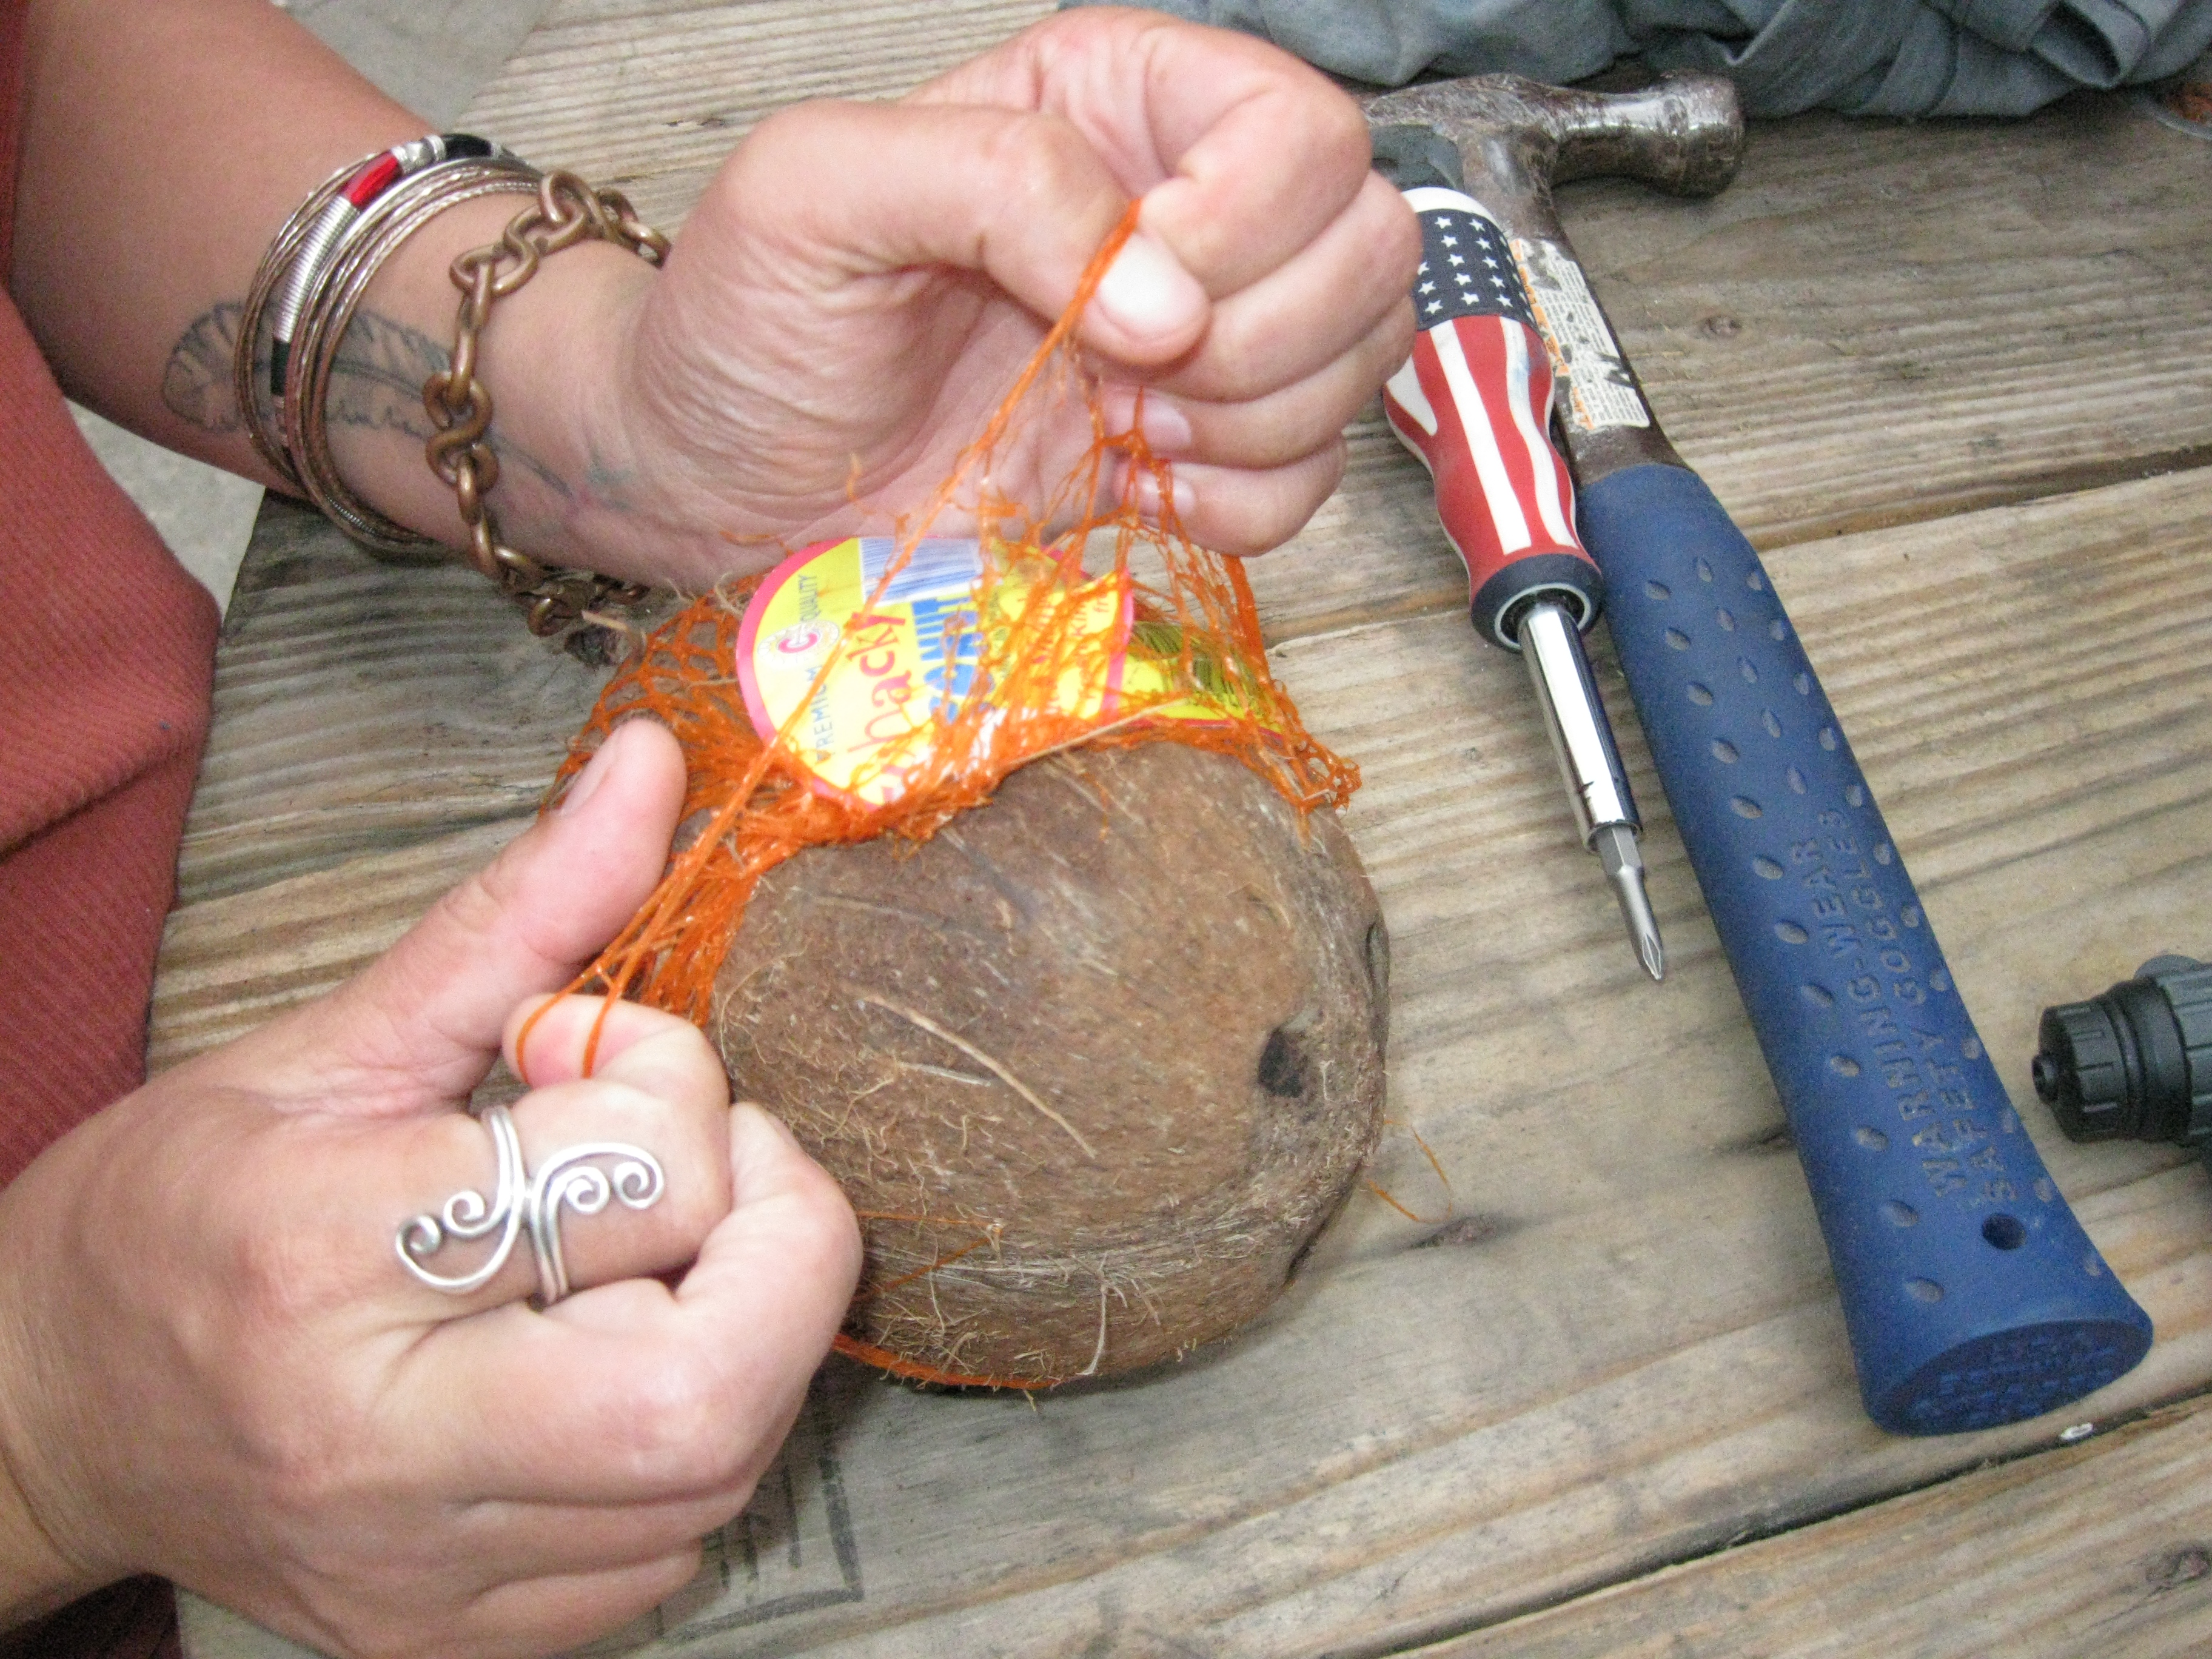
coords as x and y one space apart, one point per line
1589 763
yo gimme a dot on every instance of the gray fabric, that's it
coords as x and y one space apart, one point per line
1393 41
1904 58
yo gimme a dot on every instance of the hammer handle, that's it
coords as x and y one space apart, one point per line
1971 1295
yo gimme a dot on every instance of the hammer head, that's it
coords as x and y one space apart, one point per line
1684 133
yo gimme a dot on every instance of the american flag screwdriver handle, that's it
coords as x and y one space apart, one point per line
1474 402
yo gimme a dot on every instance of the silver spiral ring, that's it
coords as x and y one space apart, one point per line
520 1202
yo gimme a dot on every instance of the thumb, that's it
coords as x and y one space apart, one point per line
1020 195
422 1022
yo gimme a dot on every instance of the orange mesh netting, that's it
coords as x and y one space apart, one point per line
1184 662
751 803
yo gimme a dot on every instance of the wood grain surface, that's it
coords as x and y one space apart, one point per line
2105 1548
1593 1397
1612 1342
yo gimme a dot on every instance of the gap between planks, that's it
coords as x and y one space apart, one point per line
2070 1523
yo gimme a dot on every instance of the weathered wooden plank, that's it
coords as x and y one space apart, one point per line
1612 1343
360 705
651 96
2039 658
1452 1436
230 962
1989 307
2102 1545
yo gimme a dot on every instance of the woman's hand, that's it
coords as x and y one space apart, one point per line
854 292
213 1365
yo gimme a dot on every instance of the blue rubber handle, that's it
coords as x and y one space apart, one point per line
1972 1294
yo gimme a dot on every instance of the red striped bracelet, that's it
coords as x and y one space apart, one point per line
327 235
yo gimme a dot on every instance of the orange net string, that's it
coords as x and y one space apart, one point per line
752 801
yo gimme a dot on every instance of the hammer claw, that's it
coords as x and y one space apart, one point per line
1682 134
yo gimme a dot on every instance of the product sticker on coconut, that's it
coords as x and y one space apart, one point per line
914 644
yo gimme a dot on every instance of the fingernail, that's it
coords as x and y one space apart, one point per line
1153 503
1165 427
593 774
1147 292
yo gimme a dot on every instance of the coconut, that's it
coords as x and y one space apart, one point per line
1094 1064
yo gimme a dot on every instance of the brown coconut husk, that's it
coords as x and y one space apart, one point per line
1094 1064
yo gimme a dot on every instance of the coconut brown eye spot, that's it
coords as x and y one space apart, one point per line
1283 1065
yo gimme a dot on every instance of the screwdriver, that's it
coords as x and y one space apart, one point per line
1474 402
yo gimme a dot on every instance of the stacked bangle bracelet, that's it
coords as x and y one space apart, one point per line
306 294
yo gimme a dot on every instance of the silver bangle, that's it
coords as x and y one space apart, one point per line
330 311
297 265
256 326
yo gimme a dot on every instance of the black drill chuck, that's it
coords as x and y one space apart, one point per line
2134 1063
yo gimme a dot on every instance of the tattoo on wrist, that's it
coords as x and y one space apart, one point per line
377 383
196 385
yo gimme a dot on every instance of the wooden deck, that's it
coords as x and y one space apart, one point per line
1952 379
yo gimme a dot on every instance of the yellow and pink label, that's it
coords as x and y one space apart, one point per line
915 641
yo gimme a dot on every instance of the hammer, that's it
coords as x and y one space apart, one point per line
1972 1296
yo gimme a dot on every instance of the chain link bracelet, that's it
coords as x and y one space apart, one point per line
567 211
